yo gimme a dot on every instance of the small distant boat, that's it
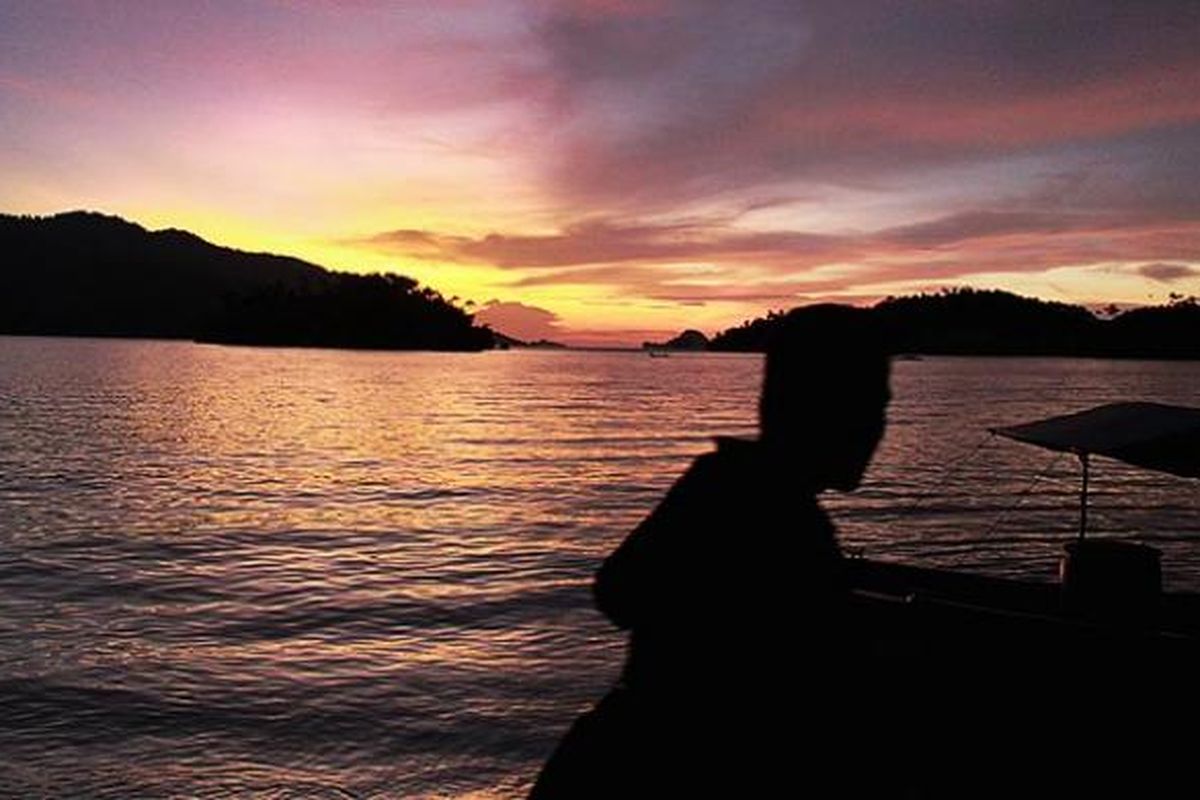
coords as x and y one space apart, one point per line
659 354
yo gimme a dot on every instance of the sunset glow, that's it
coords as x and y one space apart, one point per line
607 172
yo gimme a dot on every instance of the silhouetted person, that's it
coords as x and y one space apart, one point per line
745 665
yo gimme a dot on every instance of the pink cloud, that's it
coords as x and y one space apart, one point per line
521 321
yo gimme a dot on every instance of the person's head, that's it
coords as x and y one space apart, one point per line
825 391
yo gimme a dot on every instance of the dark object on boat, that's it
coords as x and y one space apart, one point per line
1111 580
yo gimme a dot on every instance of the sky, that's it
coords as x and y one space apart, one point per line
610 171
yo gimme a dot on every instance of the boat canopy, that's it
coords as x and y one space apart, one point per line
1151 435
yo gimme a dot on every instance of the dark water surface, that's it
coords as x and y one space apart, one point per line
241 572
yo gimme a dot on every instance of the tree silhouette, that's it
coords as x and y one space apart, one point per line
993 322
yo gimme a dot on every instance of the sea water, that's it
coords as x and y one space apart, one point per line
250 572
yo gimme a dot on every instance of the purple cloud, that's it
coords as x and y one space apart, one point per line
703 98
1167 273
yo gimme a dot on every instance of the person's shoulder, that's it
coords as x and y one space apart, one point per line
736 447
730 457
732 462
736 453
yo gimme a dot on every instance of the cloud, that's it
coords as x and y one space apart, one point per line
694 262
416 243
1167 273
703 98
590 249
521 321
605 275
609 241
962 226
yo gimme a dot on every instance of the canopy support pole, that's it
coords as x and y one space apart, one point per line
1083 497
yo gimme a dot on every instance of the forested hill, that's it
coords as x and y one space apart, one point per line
88 274
974 322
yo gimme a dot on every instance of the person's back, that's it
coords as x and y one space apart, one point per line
722 581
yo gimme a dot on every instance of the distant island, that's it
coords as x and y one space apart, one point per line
89 274
992 322
692 340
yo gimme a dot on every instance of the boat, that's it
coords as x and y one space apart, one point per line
1105 585
1064 688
